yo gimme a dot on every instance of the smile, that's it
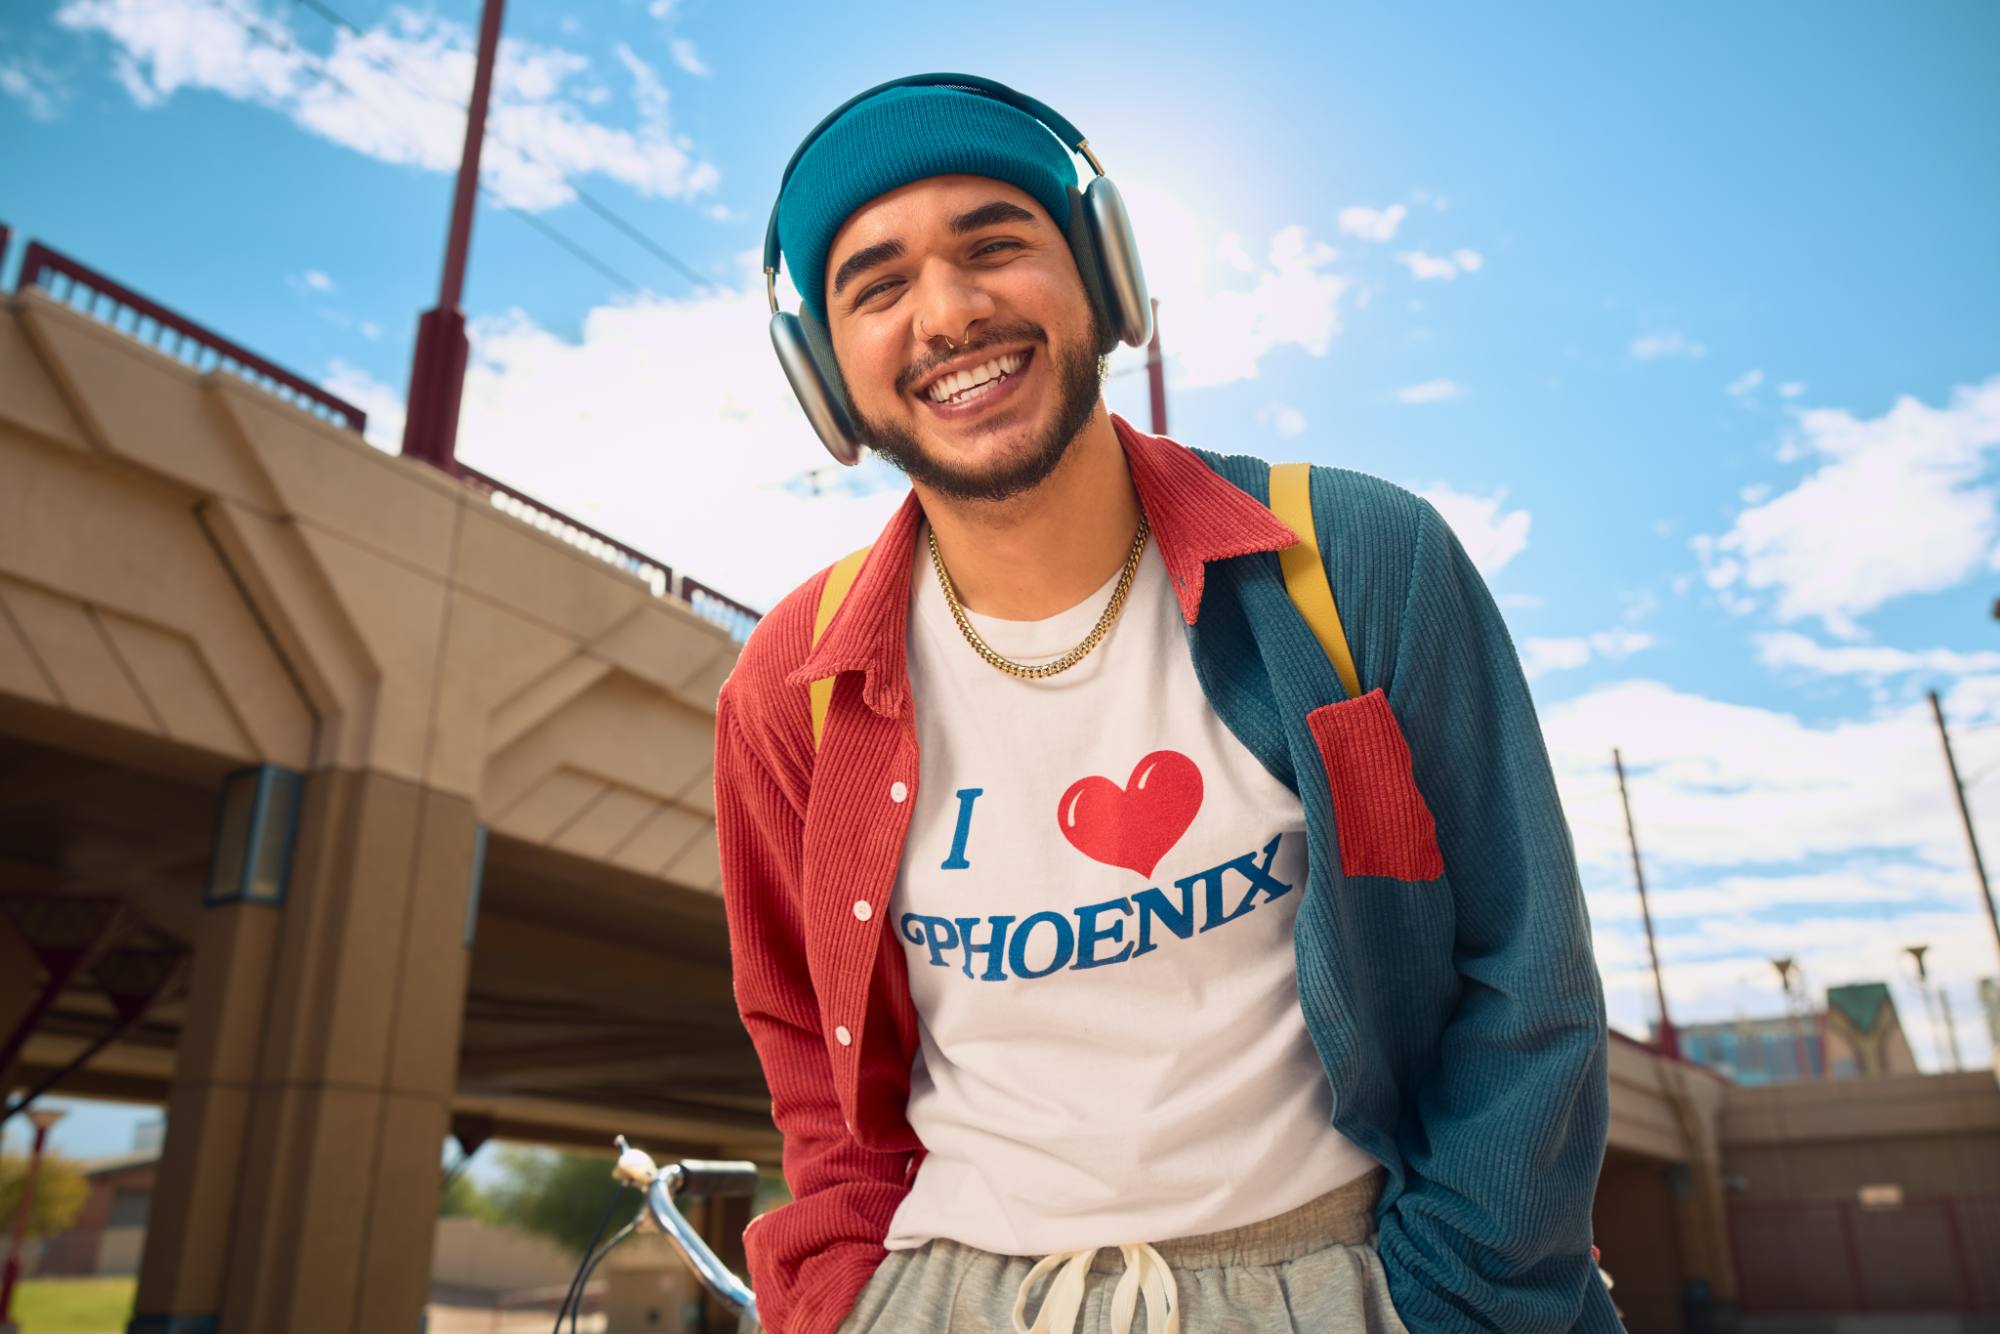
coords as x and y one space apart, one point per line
964 392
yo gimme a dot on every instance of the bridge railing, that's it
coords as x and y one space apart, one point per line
103 299
168 332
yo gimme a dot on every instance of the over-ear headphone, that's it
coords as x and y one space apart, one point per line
1099 234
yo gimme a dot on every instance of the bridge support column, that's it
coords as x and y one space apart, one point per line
299 1185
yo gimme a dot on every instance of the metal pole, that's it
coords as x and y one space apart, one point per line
1965 816
1950 1032
1156 374
12 1273
1790 983
437 369
1670 1042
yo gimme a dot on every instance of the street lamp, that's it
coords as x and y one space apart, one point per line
42 1119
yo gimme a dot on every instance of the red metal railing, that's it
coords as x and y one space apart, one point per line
656 575
85 290
175 335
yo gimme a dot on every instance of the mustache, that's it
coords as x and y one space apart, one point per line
998 337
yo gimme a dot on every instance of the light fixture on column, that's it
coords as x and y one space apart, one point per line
251 861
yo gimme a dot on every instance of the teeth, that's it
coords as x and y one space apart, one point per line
958 382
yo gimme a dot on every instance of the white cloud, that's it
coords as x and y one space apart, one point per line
1286 420
383 404
1651 347
1371 224
316 280
395 92
1787 649
39 90
680 436
1218 319
688 58
1430 391
1540 656
1791 388
1896 505
1491 534
1422 265
1745 382
1764 834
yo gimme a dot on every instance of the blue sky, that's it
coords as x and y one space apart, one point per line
1684 318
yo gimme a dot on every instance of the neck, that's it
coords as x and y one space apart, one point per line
1043 552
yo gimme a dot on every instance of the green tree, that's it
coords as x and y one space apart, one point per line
59 1193
560 1196
463 1198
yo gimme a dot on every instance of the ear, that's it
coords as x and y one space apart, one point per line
1100 237
805 350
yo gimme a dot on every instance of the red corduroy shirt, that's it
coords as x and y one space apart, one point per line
810 847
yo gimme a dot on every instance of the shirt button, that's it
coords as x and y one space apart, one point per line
863 911
842 1036
898 793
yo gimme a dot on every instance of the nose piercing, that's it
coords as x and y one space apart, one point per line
927 336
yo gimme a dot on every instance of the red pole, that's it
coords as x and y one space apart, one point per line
12 1274
437 369
1156 373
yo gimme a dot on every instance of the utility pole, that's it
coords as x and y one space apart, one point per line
1792 983
1965 817
437 369
1937 1007
1156 373
1670 1041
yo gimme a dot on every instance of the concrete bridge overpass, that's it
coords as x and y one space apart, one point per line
391 792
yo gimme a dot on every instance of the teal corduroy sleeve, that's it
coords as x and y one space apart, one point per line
1492 1231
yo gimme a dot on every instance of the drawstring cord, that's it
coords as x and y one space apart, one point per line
1146 1273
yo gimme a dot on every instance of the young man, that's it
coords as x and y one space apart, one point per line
1100 947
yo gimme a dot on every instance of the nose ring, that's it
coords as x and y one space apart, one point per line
926 335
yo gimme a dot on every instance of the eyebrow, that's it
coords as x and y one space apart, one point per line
868 257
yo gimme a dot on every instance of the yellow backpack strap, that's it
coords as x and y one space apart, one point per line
1305 571
838 580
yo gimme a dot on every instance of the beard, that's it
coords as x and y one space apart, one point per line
1079 382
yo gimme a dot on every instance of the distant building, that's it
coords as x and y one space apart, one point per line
1857 1036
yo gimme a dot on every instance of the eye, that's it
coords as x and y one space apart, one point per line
871 290
990 244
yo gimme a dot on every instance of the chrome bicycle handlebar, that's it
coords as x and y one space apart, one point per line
661 1187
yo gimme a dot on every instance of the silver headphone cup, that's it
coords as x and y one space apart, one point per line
821 402
1130 311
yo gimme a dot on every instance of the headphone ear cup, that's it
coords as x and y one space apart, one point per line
1089 264
1122 279
806 353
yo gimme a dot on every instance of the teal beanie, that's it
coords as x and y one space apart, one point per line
902 135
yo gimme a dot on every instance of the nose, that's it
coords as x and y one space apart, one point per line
949 302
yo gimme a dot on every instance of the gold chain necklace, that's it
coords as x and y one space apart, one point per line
1067 660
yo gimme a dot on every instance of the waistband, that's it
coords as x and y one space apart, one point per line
1343 1216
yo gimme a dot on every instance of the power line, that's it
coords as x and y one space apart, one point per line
584 197
282 41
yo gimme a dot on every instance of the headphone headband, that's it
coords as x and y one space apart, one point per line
1056 123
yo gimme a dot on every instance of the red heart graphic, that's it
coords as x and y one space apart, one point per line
1133 826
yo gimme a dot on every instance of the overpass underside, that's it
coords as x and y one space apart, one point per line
340 810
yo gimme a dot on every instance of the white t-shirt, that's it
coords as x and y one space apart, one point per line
1096 903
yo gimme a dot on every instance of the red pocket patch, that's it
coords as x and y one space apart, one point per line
1384 825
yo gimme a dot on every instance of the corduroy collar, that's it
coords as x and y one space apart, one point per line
1196 515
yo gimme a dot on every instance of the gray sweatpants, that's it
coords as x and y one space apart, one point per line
1310 1271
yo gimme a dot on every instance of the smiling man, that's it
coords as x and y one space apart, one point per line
1122 954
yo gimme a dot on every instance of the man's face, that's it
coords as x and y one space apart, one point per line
978 262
